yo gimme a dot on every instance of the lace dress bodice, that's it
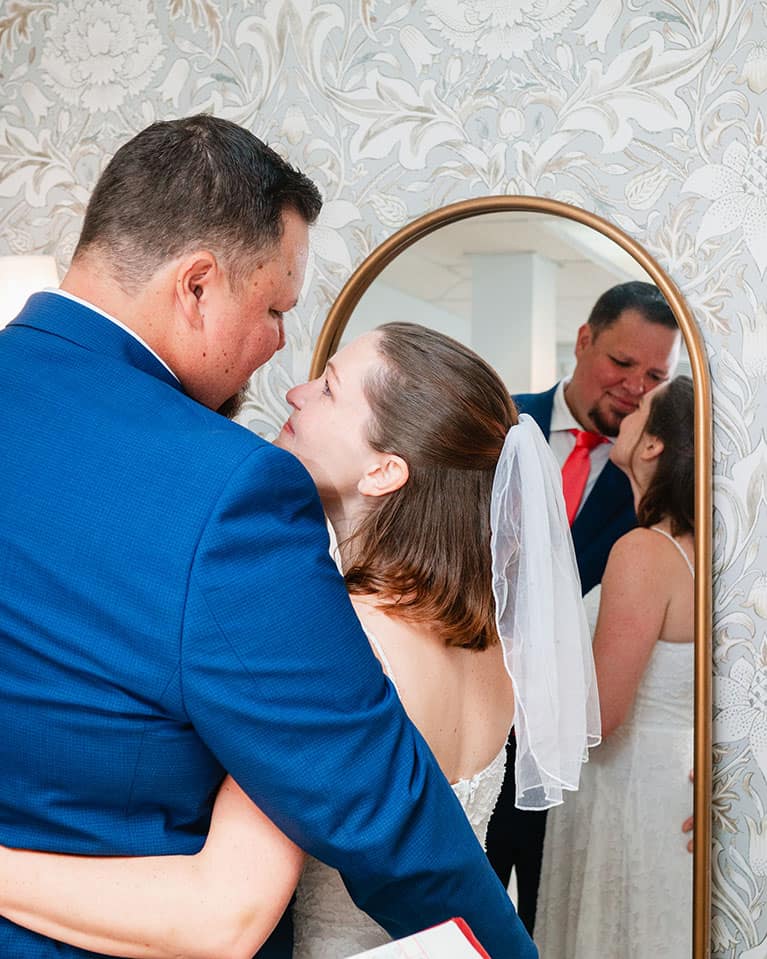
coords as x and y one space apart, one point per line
327 923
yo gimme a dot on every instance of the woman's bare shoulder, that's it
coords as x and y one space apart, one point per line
638 542
639 559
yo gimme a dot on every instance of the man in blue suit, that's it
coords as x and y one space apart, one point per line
629 345
168 607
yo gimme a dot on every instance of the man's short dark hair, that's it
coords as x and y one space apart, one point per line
197 181
645 298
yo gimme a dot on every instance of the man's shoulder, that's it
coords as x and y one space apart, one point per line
250 459
542 398
191 427
208 453
538 405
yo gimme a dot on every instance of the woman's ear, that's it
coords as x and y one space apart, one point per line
196 276
386 474
650 447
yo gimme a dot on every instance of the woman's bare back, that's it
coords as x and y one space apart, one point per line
461 700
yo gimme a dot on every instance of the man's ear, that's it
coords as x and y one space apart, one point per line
196 277
583 339
650 447
386 474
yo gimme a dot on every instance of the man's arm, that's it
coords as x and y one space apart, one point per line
279 681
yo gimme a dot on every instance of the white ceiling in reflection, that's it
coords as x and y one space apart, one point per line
438 268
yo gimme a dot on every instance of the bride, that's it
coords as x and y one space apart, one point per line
616 878
446 507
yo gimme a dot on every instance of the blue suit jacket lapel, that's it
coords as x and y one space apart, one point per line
539 406
62 317
611 493
608 512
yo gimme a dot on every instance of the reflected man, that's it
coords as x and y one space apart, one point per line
629 345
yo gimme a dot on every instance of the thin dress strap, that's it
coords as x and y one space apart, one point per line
678 546
382 656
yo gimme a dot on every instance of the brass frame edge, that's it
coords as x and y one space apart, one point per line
327 343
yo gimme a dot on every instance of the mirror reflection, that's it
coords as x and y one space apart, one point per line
586 344
514 286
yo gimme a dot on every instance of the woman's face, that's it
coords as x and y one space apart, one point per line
327 429
631 430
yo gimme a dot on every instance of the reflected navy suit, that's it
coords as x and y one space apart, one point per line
169 611
605 515
515 837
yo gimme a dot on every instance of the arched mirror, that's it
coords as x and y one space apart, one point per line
515 278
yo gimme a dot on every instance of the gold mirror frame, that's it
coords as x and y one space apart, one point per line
327 344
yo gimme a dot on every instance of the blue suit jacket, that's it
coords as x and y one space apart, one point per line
607 513
168 611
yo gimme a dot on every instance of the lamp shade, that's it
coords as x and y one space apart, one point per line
21 276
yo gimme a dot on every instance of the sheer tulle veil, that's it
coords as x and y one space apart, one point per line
541 620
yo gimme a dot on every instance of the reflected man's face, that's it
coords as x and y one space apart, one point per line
616 367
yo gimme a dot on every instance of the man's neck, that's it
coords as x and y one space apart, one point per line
91 279
93 284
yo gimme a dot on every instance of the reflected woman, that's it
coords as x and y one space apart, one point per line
617 878
412 441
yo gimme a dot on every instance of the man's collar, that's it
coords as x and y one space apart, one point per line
112 319
76 320
561 417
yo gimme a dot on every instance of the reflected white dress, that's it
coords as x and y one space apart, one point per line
616 878
327 923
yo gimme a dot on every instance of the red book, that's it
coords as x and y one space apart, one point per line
449 940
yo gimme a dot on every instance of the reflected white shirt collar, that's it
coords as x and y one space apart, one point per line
562 440
561 417
112 319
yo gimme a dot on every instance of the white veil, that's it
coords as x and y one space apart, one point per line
541 620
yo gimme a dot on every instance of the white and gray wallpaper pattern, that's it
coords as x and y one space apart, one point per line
650 113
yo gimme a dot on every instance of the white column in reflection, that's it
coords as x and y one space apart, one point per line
513 323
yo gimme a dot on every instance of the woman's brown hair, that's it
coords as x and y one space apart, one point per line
424 549
672 490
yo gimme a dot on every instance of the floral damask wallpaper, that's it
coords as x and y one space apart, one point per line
647 112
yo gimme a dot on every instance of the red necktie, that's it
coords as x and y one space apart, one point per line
575 469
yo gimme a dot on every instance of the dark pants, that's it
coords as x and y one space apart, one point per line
515 840
280 944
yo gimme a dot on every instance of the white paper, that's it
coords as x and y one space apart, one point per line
446 941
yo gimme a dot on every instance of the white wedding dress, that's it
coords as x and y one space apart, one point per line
616 879
327 923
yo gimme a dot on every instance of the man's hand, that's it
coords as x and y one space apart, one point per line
687 825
